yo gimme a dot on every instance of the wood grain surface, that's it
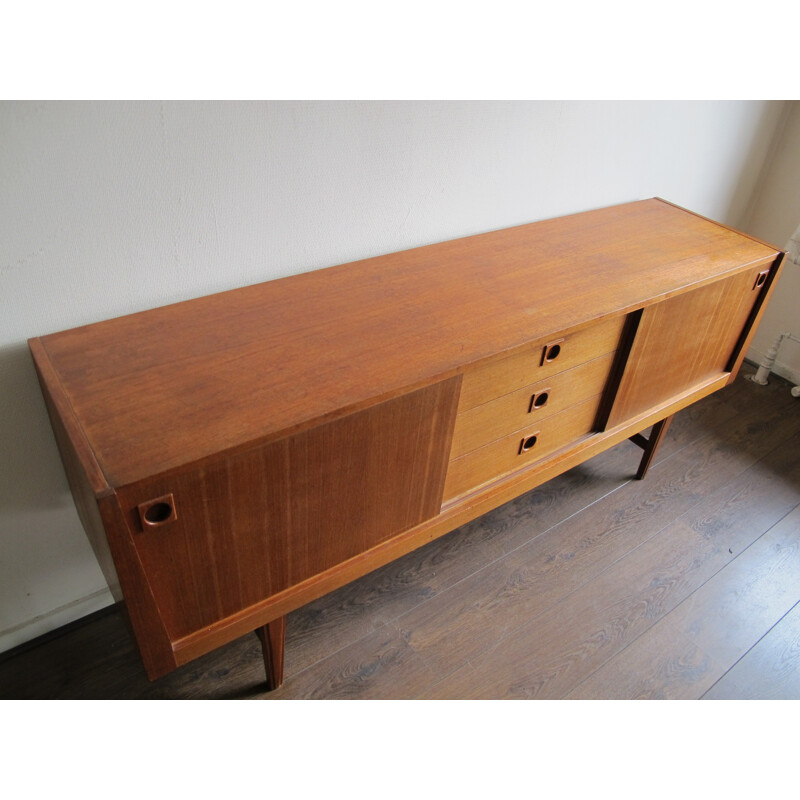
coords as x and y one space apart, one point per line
520 449
517 410
504 374
252 450
684 341
729 470
226 371
253 524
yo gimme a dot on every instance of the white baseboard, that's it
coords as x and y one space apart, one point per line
791 375
49 621
779 367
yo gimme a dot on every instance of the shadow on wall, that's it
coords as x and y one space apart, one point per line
746 189
47 574
31 475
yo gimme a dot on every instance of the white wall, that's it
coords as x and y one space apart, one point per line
108 208
774 216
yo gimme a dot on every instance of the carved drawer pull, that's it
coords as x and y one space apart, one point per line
539 400
761 279
551 351
528 443
157 512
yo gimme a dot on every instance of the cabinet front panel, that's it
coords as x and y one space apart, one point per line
529 406
520 449
251 450
217 539
684 342
539 361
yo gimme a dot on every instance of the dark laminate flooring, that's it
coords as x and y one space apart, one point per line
594 586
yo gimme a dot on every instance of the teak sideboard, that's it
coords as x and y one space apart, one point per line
236 456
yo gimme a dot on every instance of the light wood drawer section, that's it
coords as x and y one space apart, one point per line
529 406
537 362
519 449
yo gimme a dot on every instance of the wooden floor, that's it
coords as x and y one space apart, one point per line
684 585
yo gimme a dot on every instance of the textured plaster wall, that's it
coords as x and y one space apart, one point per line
774 217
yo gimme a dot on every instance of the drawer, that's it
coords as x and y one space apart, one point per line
529 406
538 361
520 449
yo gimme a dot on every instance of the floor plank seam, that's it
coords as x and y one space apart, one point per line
394 620
329 654
772 627
486 566
750 649
745 504
721 569
505 555
509 633
743 551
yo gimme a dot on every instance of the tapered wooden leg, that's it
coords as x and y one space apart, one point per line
272 636
650 445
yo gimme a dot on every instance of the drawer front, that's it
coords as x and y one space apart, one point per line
539 361
529 406
520 449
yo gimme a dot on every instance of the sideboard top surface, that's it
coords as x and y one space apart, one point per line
158 389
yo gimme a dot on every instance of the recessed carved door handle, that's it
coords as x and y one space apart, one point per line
157 512
551 351
539 400
528 443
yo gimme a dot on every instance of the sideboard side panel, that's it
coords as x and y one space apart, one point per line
755 317
85 479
